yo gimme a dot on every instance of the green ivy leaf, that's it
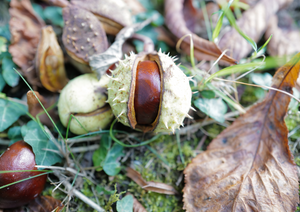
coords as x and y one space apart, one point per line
5 32
8 72
2 82
264 79
38 9
54 14
215 108
101 189
9 113
111 164
40 144
208 94
125 204
100 154
14 134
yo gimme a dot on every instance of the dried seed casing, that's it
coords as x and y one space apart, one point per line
50 61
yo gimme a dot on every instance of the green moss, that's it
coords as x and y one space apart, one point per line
154 169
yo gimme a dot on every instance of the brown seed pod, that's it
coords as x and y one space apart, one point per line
49 61
149 92
114 15
83 34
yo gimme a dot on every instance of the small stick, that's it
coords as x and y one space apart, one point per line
80 195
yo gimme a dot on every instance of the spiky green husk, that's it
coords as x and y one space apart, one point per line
83 95
176 94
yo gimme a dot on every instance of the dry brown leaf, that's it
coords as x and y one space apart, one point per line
137 206
253 23
285 39
49 60
161 188
83 34
203 49
249 166
58 3
114 15
35 108
25 28
40 204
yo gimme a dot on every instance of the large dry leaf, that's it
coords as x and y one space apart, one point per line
203 49
40 204
249 166
285 40
25 28
253 23
161 188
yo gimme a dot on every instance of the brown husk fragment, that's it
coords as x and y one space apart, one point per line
25 27
131 111
83 34
50 61
35 108
253 23
249 166
114 15
203 49
161 188
40 204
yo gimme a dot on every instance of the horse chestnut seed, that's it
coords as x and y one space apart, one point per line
19 156
149 92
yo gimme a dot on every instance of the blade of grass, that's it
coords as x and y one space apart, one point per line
179 147
19 181
158 155
240 68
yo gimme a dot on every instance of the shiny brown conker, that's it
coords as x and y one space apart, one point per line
147 92
19 156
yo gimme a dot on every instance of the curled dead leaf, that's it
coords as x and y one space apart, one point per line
253 23
83 34
25 27
114 15
157 187
203 49
35 109
249 166
50 61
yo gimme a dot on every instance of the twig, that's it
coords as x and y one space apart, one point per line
85 148
4 142
80 195
61 168
84 139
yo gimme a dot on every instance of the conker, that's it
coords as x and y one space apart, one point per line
149 92
19 156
